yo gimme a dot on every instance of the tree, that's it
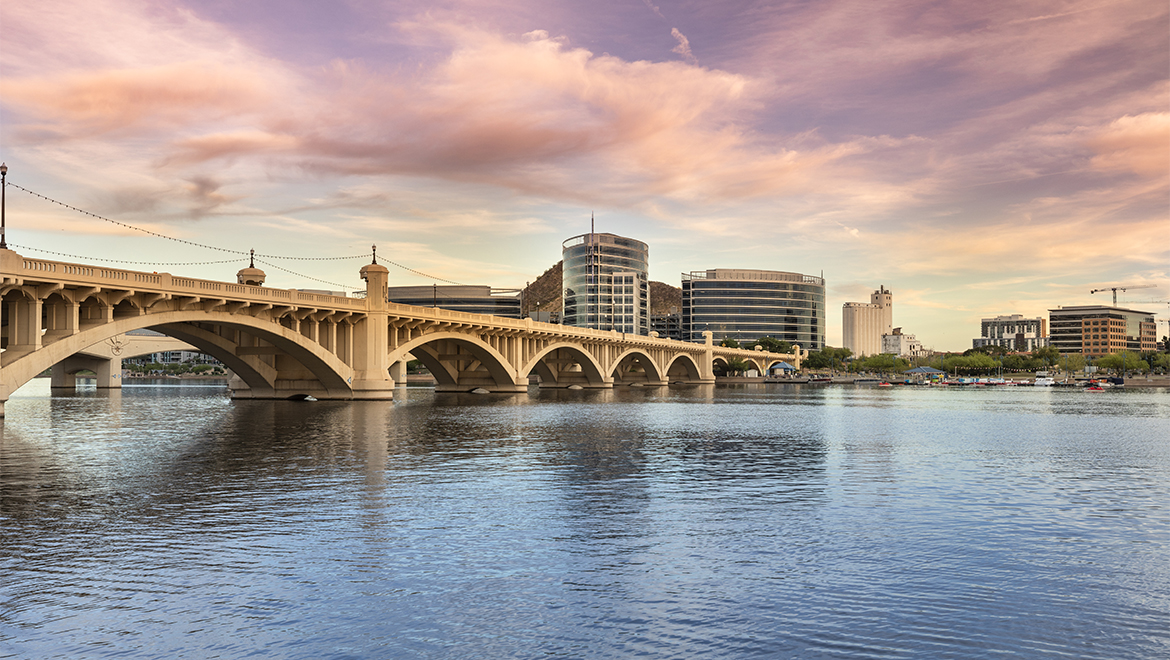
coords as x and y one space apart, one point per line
828 358
1161 362
1072 362
734 366
1123 361
818 360
1049 354
883 363
986 350
970 365
771 344
728 342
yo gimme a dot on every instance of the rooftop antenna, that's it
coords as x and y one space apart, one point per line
592 225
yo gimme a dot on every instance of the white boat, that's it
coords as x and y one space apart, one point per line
1044 381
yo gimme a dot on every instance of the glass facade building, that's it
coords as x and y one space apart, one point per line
605 281
460 298
746 305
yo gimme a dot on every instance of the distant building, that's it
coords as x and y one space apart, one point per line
669 325
180 357
606 283
746 305
1095 330
863 324
460 298
1013 332
902 345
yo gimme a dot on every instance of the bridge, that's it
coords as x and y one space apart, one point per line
105 359
289 344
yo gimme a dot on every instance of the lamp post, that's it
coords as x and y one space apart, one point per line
3 200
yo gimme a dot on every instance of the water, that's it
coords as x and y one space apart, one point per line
701 522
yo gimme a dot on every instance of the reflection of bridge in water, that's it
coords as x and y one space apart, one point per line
283 343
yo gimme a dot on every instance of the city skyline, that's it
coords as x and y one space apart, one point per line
977 161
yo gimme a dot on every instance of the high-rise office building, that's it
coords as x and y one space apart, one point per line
605 279
746 305
1096 330
863 324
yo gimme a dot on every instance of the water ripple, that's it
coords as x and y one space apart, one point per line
692 522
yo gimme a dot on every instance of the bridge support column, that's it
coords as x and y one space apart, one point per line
707 368
371 339
108 372
398 371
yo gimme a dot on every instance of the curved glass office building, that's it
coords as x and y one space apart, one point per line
605 283
746 305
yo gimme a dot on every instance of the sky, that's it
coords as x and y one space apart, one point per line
977 159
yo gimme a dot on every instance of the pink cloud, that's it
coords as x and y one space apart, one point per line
532 115
139 99
1139 144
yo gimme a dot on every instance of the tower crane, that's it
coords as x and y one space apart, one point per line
1115 289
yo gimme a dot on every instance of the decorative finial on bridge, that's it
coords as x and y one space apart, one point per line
375 249
252 258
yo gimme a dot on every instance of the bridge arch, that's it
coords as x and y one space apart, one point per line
554 364
636 366
461 362
683 368
323 372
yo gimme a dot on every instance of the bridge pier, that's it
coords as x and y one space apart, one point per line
108 372
371 354
398 372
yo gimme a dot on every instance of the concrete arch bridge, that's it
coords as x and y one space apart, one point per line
105 358
284 343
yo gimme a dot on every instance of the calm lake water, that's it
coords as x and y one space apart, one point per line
166 521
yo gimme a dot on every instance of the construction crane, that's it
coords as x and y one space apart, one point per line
1115 289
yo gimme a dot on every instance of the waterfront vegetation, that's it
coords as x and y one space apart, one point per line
176 369
983 361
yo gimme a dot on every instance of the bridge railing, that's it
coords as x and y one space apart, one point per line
154 282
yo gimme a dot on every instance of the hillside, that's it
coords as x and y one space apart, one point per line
544 294
664 296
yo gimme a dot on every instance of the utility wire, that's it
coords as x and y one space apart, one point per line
339 286
429 277
136 263
172 238
212 247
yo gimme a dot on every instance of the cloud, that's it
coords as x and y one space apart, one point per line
532 115
1138 144
143 99
684 46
